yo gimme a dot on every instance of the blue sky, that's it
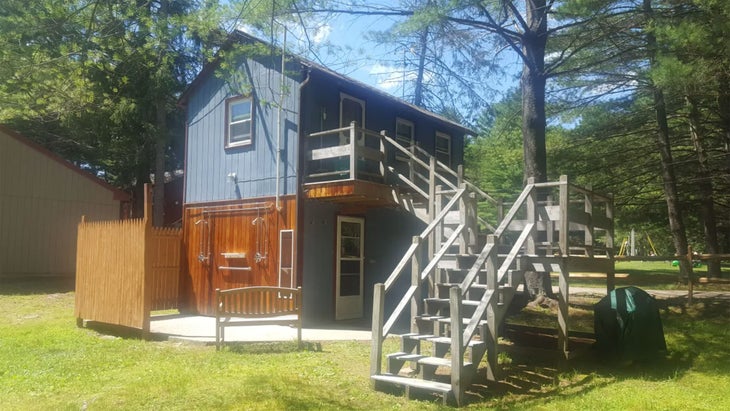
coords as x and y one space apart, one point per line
358 57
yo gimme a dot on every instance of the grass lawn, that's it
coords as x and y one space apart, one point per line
652 275
46 362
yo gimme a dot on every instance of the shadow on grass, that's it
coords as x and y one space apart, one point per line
696 339
35 286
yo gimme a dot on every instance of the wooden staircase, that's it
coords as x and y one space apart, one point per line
460 286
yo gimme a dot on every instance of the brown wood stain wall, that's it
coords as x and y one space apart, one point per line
217 235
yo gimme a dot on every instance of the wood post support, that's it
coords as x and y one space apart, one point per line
457 346
376 348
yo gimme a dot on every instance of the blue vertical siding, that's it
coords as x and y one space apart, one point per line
208 162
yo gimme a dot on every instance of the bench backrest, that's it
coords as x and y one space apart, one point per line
253 302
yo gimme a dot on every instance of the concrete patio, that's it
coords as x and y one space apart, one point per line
201 330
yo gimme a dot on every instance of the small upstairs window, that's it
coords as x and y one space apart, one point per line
239 121
443 148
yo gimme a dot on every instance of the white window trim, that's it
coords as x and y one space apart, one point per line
229 103
436 151
409 123
281 239
362 104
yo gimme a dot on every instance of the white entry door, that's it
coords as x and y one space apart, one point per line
350 264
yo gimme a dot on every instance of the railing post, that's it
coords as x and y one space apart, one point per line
376 350
353 151
611 276
491 316
457 346
383 152
473 216
416 264
531 205
563 280
435 239
589 230
431 187
564 222
459 175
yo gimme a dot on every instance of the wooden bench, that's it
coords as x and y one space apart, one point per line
257 306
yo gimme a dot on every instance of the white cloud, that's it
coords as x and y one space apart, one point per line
392 77
321 33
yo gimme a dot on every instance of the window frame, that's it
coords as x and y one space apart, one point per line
230 102
411 139
436 152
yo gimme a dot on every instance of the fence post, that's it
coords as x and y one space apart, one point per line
376 350
147 280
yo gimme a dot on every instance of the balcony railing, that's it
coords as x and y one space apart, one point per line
347 153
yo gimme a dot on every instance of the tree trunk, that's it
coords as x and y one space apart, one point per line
158 191
707 199
422 48
532 85
674 211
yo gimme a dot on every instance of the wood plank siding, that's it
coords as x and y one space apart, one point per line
209 164
221 243
42 199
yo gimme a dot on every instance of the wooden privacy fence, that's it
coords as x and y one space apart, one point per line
126 269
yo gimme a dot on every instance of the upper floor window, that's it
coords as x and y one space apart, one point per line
239 121
443 148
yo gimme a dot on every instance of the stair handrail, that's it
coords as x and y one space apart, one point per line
500 276
397 271
380 327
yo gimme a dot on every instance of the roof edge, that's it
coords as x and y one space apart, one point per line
118 195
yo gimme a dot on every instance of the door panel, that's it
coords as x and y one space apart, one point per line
349 271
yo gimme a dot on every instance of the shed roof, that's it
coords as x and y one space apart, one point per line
238 35
119 195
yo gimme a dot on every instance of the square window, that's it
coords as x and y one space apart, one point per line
239 121
443 148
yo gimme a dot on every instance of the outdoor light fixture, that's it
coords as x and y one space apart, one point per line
232 178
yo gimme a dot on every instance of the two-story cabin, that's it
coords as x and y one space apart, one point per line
300 176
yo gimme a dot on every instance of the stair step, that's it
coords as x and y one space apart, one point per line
474 285
439 362
433 386
447 340
445 301
416 336
404 356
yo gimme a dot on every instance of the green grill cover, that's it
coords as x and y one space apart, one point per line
627 325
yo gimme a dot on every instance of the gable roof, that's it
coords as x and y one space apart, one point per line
239 35
118 194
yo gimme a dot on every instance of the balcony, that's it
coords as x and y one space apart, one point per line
348 165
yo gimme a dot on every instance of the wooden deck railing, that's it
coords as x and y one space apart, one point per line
126 269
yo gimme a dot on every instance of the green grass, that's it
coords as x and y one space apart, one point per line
46 362
652 275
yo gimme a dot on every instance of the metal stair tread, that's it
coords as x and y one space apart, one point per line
434 386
